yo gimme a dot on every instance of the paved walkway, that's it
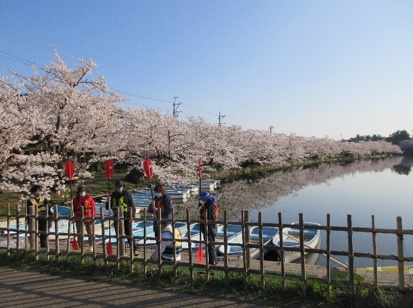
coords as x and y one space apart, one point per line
21 288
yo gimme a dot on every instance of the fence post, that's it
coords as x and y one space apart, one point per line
350 255
261 244
302 253
226 249
280 232
18 227
400 255
328 232
104 244
8 230
373 235
120 235
131 239
32 228
244 241
247 241
57 237
145 262
191 263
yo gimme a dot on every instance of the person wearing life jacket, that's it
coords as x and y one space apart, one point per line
209 212
37 200
84 202
121 198
166 246
161 203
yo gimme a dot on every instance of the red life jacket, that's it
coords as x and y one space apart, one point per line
87 202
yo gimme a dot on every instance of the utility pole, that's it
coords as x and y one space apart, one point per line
219 118
175 107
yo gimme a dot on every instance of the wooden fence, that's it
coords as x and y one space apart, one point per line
16 235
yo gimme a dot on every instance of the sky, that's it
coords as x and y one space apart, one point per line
319 68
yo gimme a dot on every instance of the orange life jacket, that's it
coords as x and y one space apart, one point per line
215 214
86 203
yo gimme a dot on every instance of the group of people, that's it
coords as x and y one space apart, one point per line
160 207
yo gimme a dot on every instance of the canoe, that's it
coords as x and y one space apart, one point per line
291 239
268 233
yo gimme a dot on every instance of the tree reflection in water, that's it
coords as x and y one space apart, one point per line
257 194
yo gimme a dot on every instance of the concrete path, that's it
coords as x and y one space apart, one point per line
20 288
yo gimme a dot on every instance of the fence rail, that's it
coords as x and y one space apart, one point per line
19 232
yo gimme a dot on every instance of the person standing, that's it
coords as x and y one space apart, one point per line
161 203
84 200
123 199
209 211
37 200
166 247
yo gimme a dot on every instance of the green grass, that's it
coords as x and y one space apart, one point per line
316 292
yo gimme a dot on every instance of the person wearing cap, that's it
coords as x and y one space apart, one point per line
37 200
166 246
84 206
123 199
161 203
209 211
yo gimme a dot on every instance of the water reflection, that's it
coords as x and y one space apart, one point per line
263 193
360 189
404 167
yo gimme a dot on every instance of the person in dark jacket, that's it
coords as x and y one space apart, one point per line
36 199
122 198
209 211
161 203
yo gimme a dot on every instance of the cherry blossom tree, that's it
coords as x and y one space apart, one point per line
61 113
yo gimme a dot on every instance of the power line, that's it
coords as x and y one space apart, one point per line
125 93
16 58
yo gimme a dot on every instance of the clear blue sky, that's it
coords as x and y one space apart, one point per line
313 68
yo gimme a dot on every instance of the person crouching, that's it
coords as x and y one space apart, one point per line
166 246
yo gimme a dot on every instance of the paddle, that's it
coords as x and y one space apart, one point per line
70 168
200 252
147 167
109 172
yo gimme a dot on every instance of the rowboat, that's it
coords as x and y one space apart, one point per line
235 242
291 239
139 233
219 237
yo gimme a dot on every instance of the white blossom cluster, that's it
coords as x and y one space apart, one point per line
61 113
